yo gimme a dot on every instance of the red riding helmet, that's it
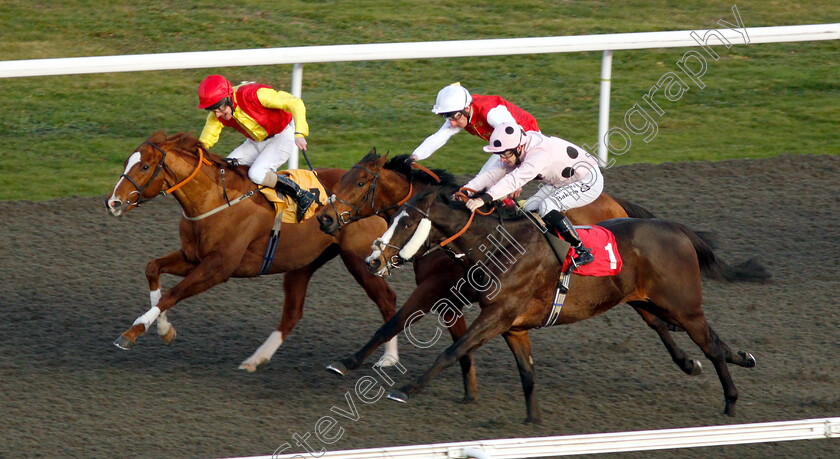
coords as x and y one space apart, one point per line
212 90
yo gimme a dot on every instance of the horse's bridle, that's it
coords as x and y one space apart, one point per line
140 189
355 212
160 165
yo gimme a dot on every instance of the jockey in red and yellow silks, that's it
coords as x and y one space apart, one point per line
274 123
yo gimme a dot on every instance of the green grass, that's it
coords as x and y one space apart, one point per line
68 135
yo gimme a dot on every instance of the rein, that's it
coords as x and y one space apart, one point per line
201 159
469 222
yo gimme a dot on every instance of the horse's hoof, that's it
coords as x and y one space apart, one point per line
534 421
398 396
749 359
338 368
696 368
124 343
169 336
387 360
730 409
249 367
467 400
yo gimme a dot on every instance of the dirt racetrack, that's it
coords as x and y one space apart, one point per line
73 279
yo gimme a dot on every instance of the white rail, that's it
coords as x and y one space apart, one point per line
418 50
807 429
390 51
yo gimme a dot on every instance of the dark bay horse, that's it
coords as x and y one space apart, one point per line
376 186
232 242
660 277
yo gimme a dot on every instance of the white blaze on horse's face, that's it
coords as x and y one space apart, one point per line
380 243
386 238
114 201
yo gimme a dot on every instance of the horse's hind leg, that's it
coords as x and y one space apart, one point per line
740 358
688 365
700 332
294 289
520 344
378 290
176 264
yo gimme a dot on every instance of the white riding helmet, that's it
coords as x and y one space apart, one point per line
506 136
452 98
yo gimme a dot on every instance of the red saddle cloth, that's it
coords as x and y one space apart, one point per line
602 243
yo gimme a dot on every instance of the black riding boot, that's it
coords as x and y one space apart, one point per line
303 198
561 223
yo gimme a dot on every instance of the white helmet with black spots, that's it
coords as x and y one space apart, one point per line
452 98
506 136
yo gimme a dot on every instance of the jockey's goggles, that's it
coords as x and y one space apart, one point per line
225 101
507 153
453 115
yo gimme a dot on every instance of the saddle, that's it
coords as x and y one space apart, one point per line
305 179
607 262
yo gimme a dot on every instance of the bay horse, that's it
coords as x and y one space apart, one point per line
661 276
232 240
377 186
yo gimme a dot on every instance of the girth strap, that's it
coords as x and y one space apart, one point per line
272 244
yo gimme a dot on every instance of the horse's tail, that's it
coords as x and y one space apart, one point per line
634 210
714 268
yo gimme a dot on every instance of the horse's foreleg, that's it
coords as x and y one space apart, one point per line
688 365
211 271
489 323
295 284
421 301
176 264
520 344
378 290
457 330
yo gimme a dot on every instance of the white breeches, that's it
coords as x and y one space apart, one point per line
267 156
563 198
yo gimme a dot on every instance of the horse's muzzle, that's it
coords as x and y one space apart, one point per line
115 207
327 224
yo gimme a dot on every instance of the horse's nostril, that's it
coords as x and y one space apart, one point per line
374 264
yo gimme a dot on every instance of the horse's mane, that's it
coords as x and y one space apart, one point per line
184 138
401 164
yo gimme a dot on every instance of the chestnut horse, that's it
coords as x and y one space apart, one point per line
376 186
231 241
661 276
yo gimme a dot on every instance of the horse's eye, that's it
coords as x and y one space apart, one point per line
144 167
360 184
407 225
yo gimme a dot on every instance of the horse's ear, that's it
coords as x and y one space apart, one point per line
380 162
158 137
372 151
188 142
